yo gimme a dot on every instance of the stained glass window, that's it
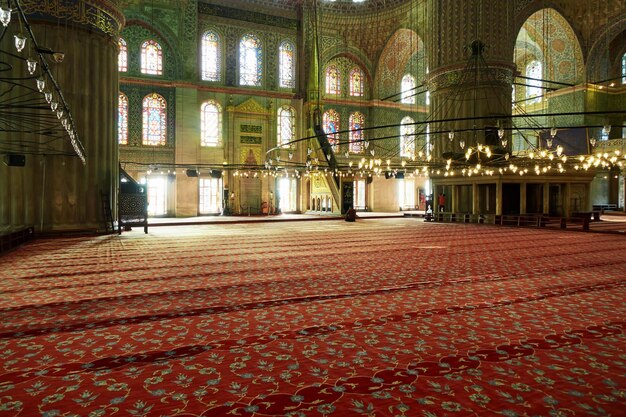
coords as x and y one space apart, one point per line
407 89
211 124
286 125
533 88
154 120
122 119
122 57
287 65
624 69
151 58
211 56
407 137
331 127
357 121
250 61
333 80
356 82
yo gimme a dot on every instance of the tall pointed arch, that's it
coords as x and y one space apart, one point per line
404 52
547 37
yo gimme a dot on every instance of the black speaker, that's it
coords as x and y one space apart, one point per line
192 173
216 174
369 179
399 175
388 175
15 160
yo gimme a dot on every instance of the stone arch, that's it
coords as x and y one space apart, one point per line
548 36
345 61
341 56
605 53
166 38
400 49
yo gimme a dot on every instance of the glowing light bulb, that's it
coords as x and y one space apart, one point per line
20 42
5 16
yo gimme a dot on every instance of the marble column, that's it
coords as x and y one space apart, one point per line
54 191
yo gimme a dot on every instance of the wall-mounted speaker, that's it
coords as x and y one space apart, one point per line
14 160
216 174
191 173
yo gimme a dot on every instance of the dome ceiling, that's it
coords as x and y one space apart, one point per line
341 6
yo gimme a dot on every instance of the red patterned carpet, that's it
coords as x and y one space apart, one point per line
391 317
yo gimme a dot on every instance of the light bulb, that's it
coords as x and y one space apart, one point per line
549 143
462 144
5 16
20 42
31 64
41 84
501 132
553 132
606 130
592 141
48 96
54 105
59 114
451 135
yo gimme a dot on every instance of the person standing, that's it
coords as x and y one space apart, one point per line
442 202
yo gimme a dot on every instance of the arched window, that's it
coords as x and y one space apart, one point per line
333 80
624 68
250 61
210 124
211 56
357 121
286 65
534 72
407 137
330 120
122 57
407 89
122 119
286 125
151 58
356 82
154 120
